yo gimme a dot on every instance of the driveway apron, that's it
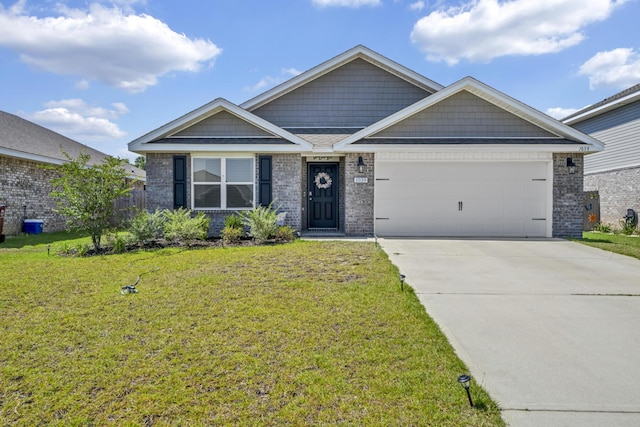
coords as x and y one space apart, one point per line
550 328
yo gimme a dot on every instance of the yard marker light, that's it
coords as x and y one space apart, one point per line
465 381
402 277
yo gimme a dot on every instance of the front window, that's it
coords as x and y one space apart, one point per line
223 183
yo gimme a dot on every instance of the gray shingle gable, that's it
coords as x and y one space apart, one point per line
357 93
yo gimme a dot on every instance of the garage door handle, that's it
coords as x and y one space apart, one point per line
538 219
460 206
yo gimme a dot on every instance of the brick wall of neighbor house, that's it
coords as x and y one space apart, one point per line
25 183
359 196
567 196
619 190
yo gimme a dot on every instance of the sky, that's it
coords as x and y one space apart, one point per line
106 72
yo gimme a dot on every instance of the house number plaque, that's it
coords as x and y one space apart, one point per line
360 179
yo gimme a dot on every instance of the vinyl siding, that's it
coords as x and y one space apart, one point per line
223 124
463 115
619 130
356 94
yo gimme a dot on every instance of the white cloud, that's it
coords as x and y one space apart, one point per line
482 30
560 113
80 121
617 68
267 81
122 50
417 6
346 3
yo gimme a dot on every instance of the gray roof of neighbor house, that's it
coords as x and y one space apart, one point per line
614 100
26 140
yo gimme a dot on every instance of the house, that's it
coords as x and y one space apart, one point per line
24 185
361 145
615 172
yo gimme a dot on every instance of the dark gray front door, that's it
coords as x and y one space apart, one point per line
322 195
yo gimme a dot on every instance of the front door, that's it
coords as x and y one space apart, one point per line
322 195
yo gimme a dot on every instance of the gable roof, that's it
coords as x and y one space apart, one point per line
564 133
22 139
621 98
360 52
162 138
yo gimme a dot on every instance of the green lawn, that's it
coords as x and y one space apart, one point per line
618 243
305 333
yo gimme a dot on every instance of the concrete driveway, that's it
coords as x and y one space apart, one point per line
550 328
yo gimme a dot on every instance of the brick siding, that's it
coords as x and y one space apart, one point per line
567 196
26 183
359 196
618 190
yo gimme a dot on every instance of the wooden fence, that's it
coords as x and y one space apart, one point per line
127 207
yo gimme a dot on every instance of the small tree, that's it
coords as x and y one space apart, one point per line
140 162
86 194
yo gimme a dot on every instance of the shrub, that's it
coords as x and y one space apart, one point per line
285 234
118 244
231 235
627 227
181 226
233 221
603 228
262 222
146 226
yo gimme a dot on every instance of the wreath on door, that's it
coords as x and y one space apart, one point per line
323 180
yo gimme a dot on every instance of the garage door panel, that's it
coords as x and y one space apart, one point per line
499 199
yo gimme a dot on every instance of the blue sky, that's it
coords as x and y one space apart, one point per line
107 72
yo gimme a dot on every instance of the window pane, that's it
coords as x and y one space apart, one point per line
206 196
206 170
239 196
239 170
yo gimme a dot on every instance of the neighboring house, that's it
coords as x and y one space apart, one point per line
615 172
24 185
361 145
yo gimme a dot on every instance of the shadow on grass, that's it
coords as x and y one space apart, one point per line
22 240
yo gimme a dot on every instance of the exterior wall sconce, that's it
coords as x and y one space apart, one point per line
571 166
465 382
361 164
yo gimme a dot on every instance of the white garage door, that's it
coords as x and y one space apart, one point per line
473 199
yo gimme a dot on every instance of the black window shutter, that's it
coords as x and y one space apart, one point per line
264 180
179 182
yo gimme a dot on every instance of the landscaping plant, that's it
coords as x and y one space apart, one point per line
233 230
146 226
180 225
85 194
262 222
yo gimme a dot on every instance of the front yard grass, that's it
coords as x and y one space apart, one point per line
308 333
618 243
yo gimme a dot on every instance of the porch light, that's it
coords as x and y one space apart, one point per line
465 382
361 164
570 165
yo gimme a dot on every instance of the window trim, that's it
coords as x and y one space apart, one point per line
223 182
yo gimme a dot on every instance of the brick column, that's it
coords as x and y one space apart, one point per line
567 196
359 195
